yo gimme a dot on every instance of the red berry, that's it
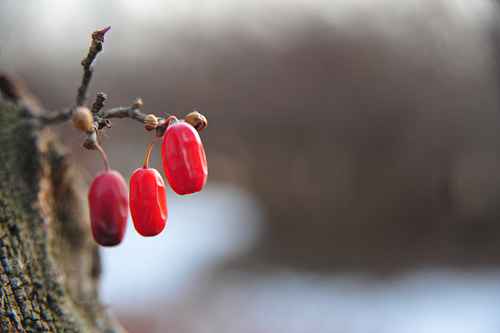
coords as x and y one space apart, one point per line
108 208
184 158
148 202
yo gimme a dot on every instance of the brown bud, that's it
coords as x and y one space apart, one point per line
82 119
197 120
150 122
137 103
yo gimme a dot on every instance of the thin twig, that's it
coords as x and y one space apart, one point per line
57 116
95 48
101 118
131 111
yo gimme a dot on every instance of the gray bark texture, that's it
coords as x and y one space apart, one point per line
49 263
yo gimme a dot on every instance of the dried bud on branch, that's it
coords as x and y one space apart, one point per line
95 119
99 102
98 36
150 122
82 119
90 142
137 103
197 120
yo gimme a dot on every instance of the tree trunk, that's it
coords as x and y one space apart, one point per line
50 266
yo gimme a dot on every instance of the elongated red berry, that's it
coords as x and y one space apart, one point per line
184 158
108 208
148 202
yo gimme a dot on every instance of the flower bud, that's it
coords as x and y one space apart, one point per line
82 119
197 120
150 122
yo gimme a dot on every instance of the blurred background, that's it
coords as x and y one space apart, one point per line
353 150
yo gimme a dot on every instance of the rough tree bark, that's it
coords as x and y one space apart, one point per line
49 264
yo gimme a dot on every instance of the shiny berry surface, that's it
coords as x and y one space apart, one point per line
148 202
108 201
184 158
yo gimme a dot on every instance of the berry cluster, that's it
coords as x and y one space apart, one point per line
183 159
184 163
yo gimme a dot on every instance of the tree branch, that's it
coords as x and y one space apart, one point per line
95 48
101 118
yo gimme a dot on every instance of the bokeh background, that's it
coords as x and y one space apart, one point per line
353 149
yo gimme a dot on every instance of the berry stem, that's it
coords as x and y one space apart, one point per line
146 160
158 135
104 157
167 122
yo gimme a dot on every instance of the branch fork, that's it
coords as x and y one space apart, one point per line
98 119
